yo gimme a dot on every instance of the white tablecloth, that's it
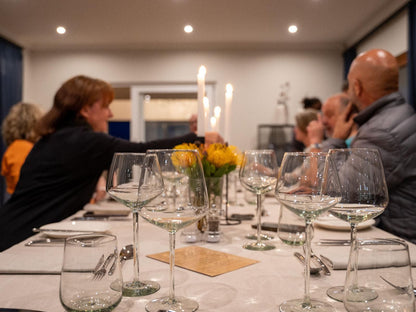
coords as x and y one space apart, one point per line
260 287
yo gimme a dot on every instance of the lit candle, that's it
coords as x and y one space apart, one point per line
228 101
217 114
206 113
201 94
213 123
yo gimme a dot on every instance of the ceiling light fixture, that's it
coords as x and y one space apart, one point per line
293 29
188 29
60 30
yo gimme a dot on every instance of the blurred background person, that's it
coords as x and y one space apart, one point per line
303 119
19 135
193 123
312 102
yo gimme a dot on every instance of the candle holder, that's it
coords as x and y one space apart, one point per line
228 220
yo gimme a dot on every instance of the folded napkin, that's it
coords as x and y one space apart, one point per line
338 256
41 262
108 208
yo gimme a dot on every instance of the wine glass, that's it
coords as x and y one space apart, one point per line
123 186
384 267
189 205
308 186
364 192
258 174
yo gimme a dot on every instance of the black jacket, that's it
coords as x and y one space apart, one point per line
59 177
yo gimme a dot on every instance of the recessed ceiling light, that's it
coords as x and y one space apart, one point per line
188 29
293 29
60 30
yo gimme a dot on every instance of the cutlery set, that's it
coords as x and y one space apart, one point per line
321 266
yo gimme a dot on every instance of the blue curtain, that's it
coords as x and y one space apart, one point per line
11 71
348 55
411 57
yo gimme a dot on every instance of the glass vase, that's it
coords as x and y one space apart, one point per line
215 191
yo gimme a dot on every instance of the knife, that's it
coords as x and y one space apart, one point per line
38 230
45 241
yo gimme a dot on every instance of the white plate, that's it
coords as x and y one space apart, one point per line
333 223
107 208
66 229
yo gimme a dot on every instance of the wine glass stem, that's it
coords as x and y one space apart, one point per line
354 253
136 244
258 218
171 266
308 239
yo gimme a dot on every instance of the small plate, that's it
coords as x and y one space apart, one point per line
107 208
66 229
330 222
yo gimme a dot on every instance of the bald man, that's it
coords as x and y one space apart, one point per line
386 122
324 126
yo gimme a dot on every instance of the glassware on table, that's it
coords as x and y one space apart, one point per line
258 174
173 214
79 289
291 228
308 186
364 193
384 270
123 186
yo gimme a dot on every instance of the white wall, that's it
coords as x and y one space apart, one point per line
392 37
255 75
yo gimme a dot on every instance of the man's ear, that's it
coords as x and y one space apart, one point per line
358 87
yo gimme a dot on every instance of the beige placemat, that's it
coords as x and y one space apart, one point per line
204 260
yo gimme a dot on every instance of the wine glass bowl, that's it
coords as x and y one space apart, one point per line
364 193
308 186
172 213
123 185
258 174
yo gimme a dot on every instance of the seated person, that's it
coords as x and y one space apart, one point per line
60 174
19 135
302 121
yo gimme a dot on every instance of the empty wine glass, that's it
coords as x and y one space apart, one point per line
258 174
364 193
182 168
123 186
308 186
384 270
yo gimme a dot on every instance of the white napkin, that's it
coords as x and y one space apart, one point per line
42 262
107 208
338 257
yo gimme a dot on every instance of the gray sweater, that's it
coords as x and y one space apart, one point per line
389 125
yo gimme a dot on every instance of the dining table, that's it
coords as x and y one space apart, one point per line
30 275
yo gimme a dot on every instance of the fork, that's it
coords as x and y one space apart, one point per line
399 288
99 274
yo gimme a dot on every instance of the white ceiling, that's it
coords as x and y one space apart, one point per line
218 24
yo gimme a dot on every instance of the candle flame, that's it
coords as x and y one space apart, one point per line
202 71
213 122
229 88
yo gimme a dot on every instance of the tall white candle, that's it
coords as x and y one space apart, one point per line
217 115
206 113
201 94
228 101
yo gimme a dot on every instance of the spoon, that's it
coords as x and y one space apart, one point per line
126 253
301 258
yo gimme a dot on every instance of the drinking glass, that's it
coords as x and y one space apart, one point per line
258 174
123 186
308 186
383 269
364 193
80 290
174 213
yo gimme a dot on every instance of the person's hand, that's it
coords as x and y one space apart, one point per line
316 131
213 137
345 123
100 192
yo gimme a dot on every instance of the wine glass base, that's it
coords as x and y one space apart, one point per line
298 305
165 304
361 294
139 288
336 293
258 246
262 236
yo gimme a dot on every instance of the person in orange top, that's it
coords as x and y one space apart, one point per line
19 136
